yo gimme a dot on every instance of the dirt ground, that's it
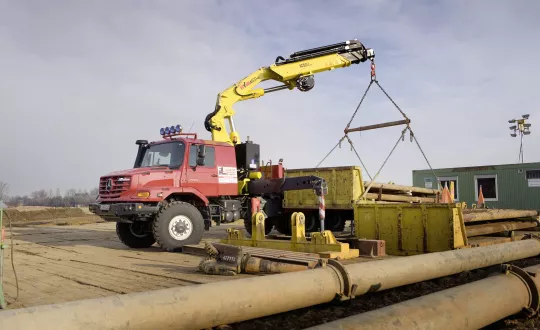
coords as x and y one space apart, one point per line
74 259
58 263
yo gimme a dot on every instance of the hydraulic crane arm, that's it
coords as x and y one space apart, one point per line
294 72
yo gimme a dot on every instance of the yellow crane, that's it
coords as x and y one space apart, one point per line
294 72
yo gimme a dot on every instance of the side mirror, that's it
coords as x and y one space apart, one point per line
201 154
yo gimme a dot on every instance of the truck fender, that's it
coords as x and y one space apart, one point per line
187 192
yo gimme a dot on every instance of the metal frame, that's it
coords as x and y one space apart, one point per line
323 243
486 176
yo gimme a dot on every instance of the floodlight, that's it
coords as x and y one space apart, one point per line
525 116
512 121
513 127
513 134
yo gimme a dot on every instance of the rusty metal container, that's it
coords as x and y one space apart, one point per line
345 185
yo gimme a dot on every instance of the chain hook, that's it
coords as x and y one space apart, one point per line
403 133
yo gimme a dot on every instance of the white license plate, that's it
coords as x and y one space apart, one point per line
104 207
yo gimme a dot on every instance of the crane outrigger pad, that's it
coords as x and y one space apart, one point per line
323 243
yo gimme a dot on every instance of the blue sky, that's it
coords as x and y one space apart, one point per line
83 80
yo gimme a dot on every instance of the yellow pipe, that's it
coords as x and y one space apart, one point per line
213 304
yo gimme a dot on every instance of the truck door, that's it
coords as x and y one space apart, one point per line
204 178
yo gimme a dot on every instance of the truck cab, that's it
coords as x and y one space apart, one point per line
176 187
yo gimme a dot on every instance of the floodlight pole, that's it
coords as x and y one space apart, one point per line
524 129
521 148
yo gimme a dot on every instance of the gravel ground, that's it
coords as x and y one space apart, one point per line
308 317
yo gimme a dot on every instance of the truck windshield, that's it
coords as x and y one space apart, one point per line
169 154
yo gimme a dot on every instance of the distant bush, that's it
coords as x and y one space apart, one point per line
72 198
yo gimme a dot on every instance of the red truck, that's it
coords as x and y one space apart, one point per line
180 184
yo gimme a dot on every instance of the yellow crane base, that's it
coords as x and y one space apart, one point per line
322 243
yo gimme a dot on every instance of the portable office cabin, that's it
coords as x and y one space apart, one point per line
514 186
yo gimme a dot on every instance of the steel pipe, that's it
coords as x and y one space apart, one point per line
470 306
213 304
376 126
497 215
400 198
391 273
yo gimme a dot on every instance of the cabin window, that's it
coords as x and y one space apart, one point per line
489 187
533 178
209 159
445 181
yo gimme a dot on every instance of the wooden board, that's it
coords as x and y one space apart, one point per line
299 258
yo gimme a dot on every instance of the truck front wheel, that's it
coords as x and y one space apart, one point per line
134 236
178 224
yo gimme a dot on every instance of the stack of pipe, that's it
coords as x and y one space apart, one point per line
209 305
396 193
490 221
470 306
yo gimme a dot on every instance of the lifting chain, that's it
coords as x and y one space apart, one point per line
412 136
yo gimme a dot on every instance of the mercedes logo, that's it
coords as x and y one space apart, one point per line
108 185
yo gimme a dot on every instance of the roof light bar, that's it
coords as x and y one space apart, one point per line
171 130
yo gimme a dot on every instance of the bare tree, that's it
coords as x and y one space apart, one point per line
4 188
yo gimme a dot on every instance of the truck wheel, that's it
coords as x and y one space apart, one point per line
283 224
335 222
178 224
134 236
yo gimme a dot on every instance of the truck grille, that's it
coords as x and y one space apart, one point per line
113 186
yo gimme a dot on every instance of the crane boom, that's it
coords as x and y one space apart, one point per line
294 72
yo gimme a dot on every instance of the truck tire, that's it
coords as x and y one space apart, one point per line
133 237
178 224
335 222
283 224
